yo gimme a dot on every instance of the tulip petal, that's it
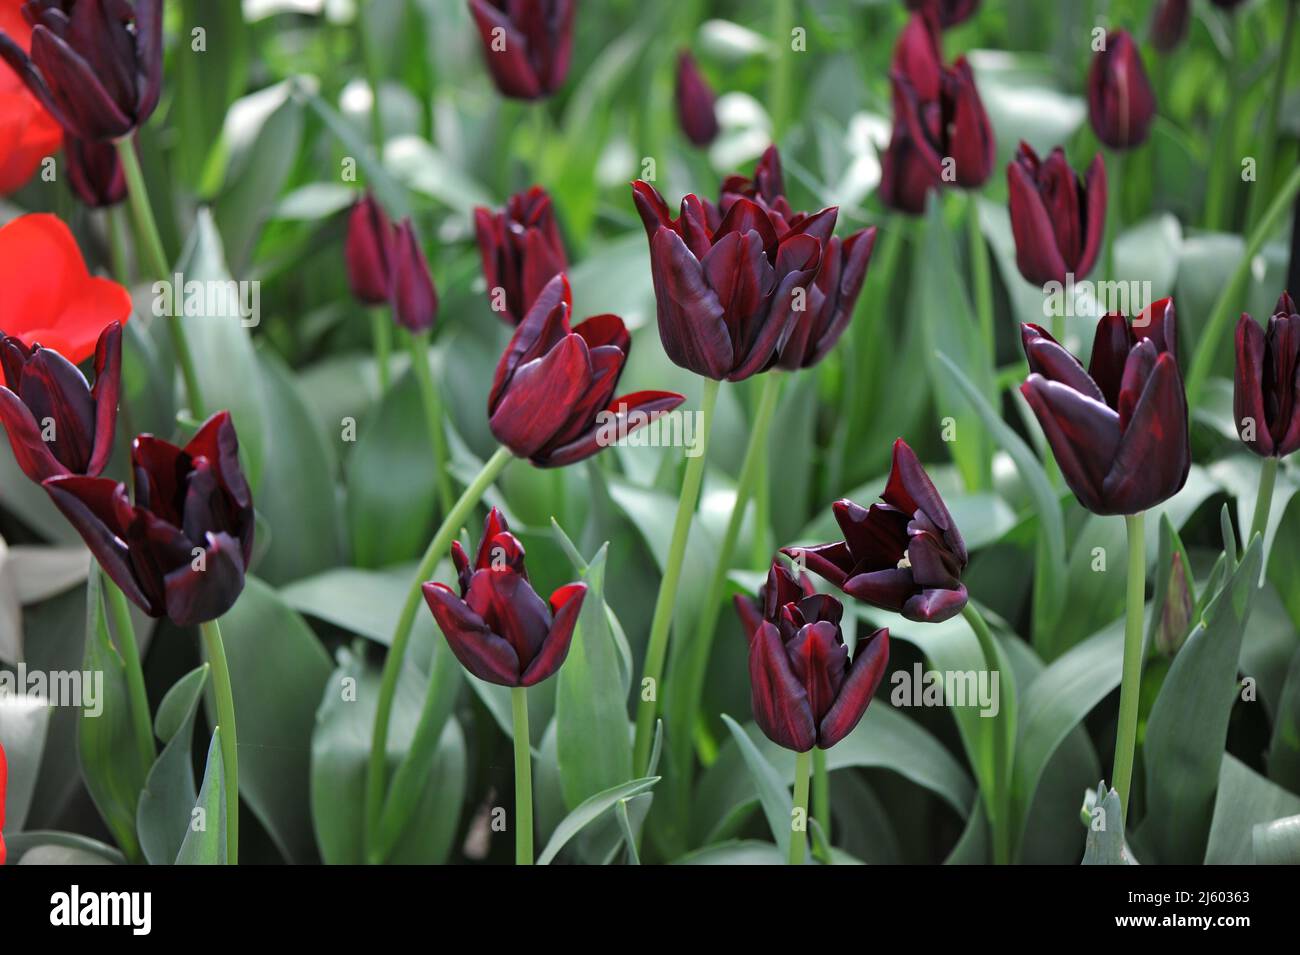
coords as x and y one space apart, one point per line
935 605
566 604
30 451
546 322
870 658
195 596
97 508
779 700
540 397
478 649
1083 432
888 589
691 325
105 393
1037 255
626 414
819 660
1050 359
832 562
505 49
74 85
509 605
750 618
1094 226
1248 408
57 393
1154 456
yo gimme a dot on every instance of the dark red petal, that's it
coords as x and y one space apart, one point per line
1110 347
105 393
1083 432
566 604
56 392
695 105
887 589
1248 387
509 605
98 509
541 396
217 441
505 49
627 414
368 251
1094 217
411 292
691 325
73 84
1154 456
831 561
910 490
779 700
1051 360
750 617
870 658
935 605
604 330
819 660
1037 256
196 596
545 324
32 454
478 649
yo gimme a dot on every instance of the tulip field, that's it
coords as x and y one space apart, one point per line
597 432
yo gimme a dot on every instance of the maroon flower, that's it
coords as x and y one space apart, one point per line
1118 429
183 547
949 12
368 251
498 628
1121 105
94 171
1057 218
904 555
781 587
521 250
411 294
1266 393
45 395
905 178
527 44
950 126
95 65
1169 22
803 689
695 103
552 399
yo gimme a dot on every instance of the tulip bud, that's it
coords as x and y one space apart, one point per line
527 45
1169 22
695 110
781 587
1121 105
521 250
950 131
369 251
1266 384
1176 615
949 12
1057 219
96 65
94 172
411 293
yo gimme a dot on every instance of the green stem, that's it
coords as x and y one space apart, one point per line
684 706
981 278
1207 349
215 651
418 344
657 647
523 777
369 58
821 793
375 780
1126 731
1114 210
778 85
124 630
119 233
381 334
997 805
1221 161
138 195
1268 147
1264 500
799 838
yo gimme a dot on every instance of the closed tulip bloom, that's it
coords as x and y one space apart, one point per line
906 178
1169 22
1121 105
727 298
56 422
499 628
49 296
949 126
1118 429
94 172
552 399
96 65
527 43
904 554
695 103
803 688
368 251
949 12
781 587
182 548
411 294
521 250
1266 392
1057 219
28 133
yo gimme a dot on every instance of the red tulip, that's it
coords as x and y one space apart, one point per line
781 587
27 132
905 178
1057 218
552 398
1266 393
1121 105
1169 22
499 628
44 394
949 12
1119 429
368 251
527 43
904 555
521 250
49 296
94 172
411 293
951 126
695 103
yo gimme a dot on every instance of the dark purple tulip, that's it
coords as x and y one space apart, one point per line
1057 218
781 587
904 555
1266 393
411 294
527 43
1118 429
498 628
44 394
1169 23
96 65
695 103
183 547
952 125
552 398
918 54
521 249
905 178
728 297
949 12
1121 105
804 690
368 251
94 171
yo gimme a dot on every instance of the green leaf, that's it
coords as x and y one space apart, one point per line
1277 842
735 852
1284 748
163 816
206 81
205 829
24 726
389 191
61 848
1245 800
364 602
588 812
773 793
1106 832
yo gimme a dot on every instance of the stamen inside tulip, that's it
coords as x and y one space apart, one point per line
905 562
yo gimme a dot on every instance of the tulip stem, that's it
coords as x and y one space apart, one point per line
799 813
124 630
981 279
419 347
1114 210
1268 144
1264 499
684 706
1207 349
381 335
1220 171
375 775
215 650
1126 731
821 794
138 195
778 81
523 777
657 647
118 238
997 804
